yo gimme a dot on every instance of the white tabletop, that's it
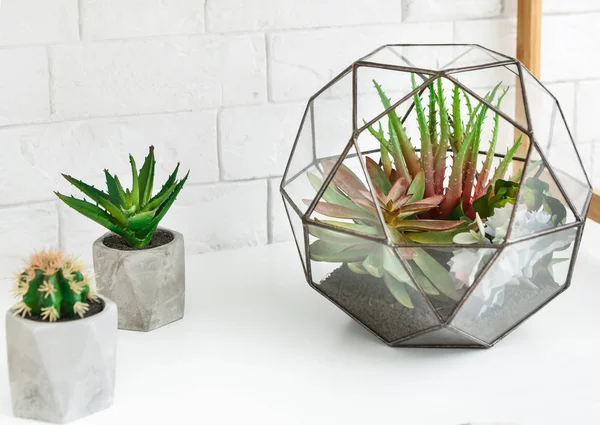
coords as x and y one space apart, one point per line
258 345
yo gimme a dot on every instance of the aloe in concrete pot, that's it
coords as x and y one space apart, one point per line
137 264
61 341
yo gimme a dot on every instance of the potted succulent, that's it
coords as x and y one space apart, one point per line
61 341
137 264
446 243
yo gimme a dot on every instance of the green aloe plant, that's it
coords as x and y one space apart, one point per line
132 214
416 200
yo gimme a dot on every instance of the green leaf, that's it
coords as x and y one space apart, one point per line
140 221
398 290
125 200
457 124
113 190
445 237
92 212
436 273
329 252
423 282
328 235
556 209
505 162
374 262
146 177
405 146
164 207
99 197
417 187
168 184
377 176
135 186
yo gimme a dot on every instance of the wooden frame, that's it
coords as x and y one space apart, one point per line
529 37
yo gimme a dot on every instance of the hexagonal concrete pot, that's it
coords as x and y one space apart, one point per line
148 285
60 372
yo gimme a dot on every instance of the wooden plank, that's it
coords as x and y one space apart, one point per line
594 212
529 37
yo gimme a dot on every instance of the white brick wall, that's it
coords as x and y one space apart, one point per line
219 85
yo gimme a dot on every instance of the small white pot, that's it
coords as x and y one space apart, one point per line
60 372
148 285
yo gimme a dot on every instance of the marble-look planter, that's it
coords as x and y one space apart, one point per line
60 372
148 285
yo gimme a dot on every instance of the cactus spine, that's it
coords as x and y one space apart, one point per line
52 286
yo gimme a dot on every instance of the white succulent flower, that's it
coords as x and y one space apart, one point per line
515 265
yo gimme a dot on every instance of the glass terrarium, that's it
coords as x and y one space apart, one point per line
436 195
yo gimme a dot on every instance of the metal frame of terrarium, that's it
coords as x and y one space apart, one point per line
432 75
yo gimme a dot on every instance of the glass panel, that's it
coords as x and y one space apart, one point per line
298 232
566 164
445 274
348 201
373 83
540 206
441 336
368 281
434 58
483 81
520 279
555 142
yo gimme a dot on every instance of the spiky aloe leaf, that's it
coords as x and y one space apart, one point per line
113 190
482 183
135 184
168 184
407 149
99 197
426 149
439 161
92 212
125 200
458 133
164 207
432 121
140 221
380 136
377 175
401 167
146 177
503 166
338 211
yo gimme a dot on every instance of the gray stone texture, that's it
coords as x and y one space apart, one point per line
148 285
60 372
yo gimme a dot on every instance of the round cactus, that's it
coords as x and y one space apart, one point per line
52 286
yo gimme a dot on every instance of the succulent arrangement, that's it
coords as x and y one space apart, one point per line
133 214
53 286
418 201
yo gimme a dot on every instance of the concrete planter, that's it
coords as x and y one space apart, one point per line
60 372
148 285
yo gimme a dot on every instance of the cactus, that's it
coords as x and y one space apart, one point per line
52 286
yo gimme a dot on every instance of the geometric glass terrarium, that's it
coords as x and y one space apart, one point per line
436 195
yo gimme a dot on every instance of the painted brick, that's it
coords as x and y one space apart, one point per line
24 86
556 6
301 62
443 10
106 19
256 141
233 15
496 34
84 148
25 229
280 226
221 216
147 76
568 43
38 22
